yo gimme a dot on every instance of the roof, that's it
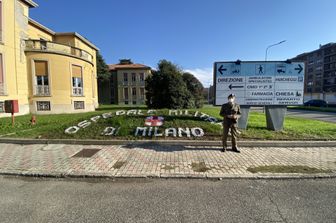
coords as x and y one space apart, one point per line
79 37
313 51
30 3
128 66
40 26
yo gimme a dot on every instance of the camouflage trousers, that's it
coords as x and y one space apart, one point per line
234 134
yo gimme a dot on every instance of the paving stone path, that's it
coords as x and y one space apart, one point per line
153 160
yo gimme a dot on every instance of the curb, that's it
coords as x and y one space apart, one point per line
171 176
171 142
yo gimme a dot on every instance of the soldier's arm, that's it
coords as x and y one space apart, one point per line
238 112
222 111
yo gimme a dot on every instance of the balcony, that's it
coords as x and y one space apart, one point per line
52 47
40 90
77 91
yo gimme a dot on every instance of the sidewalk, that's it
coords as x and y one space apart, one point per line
155 160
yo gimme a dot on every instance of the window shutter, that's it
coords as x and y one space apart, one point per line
41 68
76 71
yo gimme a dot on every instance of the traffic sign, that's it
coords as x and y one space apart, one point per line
259 82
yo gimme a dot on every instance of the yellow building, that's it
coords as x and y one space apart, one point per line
46 72
126 85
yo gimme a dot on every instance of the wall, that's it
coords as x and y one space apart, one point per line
15 30
60 83
76 42
66 39
138 85
18 70
37 33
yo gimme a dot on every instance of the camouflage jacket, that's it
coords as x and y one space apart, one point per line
230 109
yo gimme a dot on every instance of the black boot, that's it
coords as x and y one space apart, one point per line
235 149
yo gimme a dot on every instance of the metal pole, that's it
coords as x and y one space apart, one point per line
13 119
272 46
266 57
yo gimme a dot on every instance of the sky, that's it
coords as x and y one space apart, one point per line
194 33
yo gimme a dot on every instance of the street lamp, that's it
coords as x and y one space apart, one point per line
271 46
266 57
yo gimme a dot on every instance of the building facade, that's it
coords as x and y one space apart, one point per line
320 73
47 72
126 85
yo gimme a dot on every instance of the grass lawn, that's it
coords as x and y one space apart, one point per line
53 126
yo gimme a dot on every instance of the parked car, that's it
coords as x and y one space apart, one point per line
316 103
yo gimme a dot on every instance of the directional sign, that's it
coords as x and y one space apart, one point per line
221 69
259 82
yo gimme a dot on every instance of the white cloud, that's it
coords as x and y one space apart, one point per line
204 75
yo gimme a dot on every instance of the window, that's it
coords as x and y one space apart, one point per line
77 80
134 91
327 74
327 51
2 78
126 94
0 20
134 102
41 78
125 77
79 105
142 93
318 89
328 81
133 77
43 105
142 77
2 106
319 75
332 65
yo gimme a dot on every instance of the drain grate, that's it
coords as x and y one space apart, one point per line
85 153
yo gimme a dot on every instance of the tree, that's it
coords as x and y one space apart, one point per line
102 68
195 87
166 88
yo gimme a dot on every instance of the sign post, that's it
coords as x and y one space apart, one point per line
274 84
12 106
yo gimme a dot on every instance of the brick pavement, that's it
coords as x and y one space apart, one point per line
153 160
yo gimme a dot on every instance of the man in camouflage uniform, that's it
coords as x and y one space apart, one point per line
231 112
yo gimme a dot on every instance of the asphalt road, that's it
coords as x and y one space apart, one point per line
141 200
316 115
